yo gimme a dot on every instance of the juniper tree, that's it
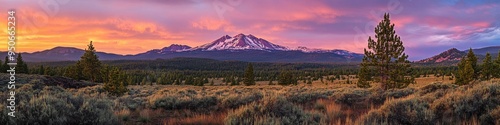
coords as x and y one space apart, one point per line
487 68
249 78
21 66
386 56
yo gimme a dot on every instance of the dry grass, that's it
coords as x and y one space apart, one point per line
205 119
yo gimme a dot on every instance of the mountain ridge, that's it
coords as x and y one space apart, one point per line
454 55
240 47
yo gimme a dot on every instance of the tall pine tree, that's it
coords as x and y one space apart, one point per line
497 66
249 76
21 66
467 69
90 64
487 68
386 56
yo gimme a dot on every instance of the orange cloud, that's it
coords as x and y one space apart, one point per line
113 34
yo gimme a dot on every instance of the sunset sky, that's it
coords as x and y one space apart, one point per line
427 27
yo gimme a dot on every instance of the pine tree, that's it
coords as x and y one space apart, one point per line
41 70
471 57
115 82
73 72
468 73
364 75
387 57
21 66
5 66
90 64
497 66
249 76
286 78
487 68
467 69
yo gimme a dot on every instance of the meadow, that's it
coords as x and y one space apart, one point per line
432 100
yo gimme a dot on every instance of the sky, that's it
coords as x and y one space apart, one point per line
426 27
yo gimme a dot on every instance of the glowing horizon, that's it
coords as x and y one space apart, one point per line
132 27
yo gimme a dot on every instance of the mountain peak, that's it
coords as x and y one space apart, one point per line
449 55
453 50
171 48
175 47
241 42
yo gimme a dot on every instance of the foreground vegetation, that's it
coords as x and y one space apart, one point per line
425 102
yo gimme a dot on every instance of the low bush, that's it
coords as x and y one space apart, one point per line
271 111
239 100
354 98
401 111
192 103
436 86
492 117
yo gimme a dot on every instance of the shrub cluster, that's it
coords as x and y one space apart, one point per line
272 111
404 111
476 102
53 105
239 100
192 103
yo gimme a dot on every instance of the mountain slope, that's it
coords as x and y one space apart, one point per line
482 51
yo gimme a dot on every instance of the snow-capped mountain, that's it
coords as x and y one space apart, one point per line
312 50
171 48
240 42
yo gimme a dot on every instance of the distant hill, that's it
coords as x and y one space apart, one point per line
62 54
454 55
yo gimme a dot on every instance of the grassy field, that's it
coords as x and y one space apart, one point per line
430 101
